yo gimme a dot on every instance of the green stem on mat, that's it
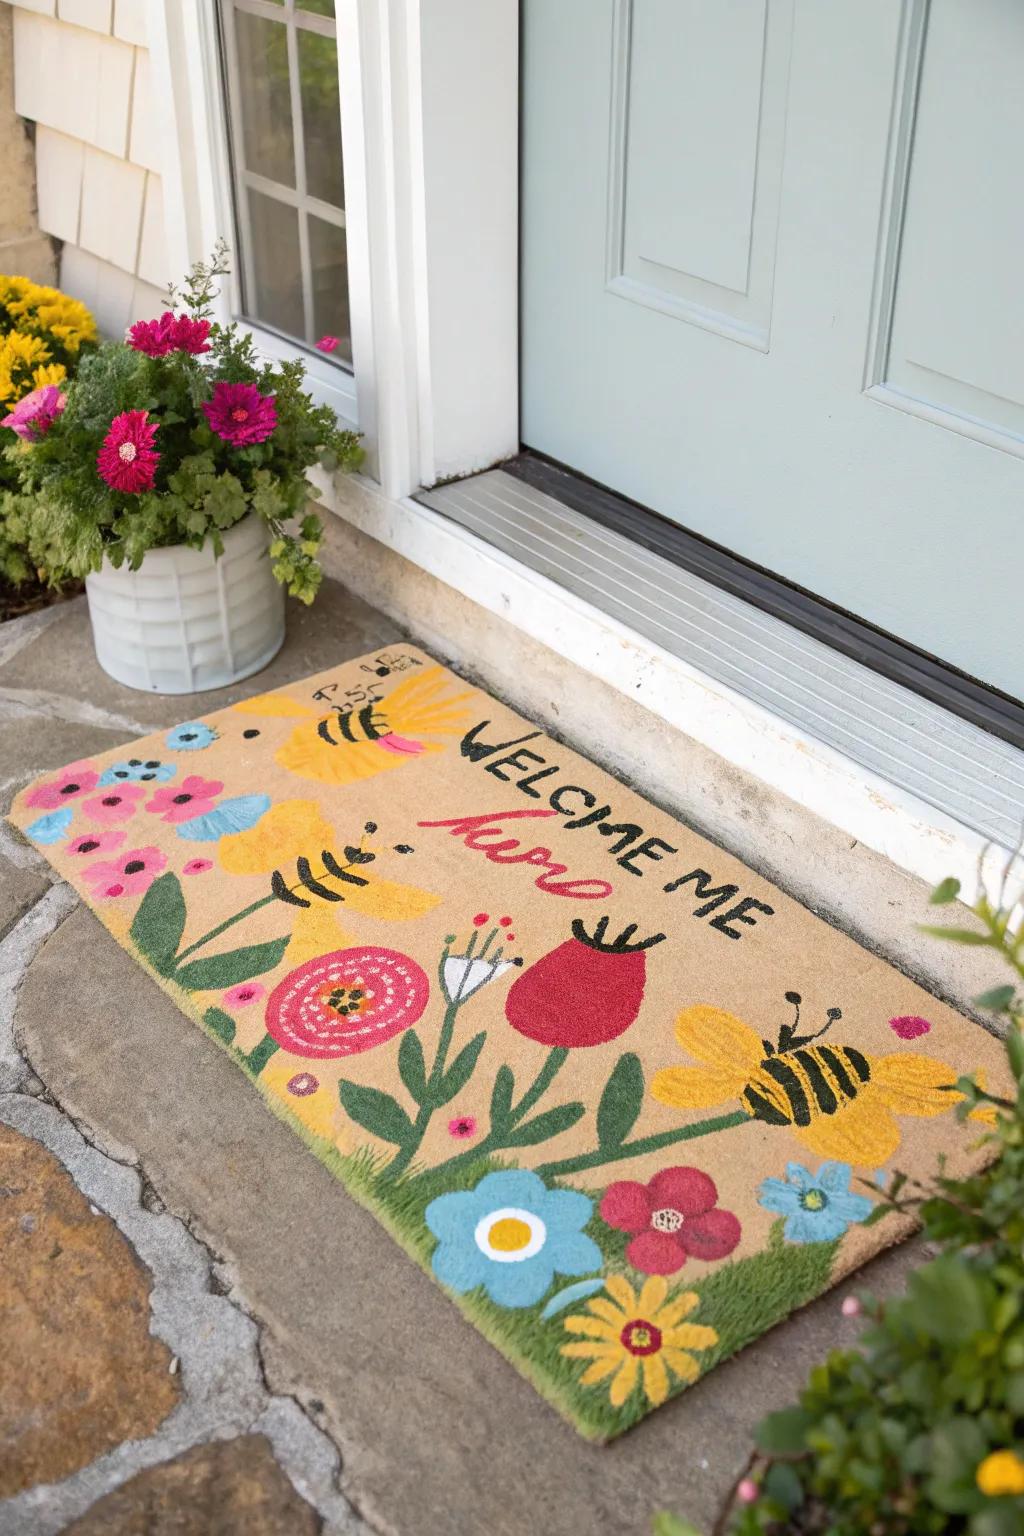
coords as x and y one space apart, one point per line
601 1155
228 922
405 1154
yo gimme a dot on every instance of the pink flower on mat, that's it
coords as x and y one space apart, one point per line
127 461
327 344
117 803
197 866
908 1026
74 780
180 802
35 414
462 1127
96 842
245 993
673 1217
240 414
169 333
130 875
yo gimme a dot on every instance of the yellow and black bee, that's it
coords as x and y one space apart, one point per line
836 1099
347 744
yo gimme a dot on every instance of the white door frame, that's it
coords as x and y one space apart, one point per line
430 124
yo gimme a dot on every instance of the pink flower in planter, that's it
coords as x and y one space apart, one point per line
194 796
328 344
240 414
117 803
130 875
96 842
169 333
197 866
127 461
76 779
35 414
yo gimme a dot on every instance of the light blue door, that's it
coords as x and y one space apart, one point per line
772 289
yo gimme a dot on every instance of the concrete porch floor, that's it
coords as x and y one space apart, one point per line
203 1332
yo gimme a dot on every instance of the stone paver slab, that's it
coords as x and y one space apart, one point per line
79 1370
226 1488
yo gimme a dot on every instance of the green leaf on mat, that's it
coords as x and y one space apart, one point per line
411 1067
220 1024
461 1069
160 922
621 1101
235 965
501 1096
376 1112
542 1127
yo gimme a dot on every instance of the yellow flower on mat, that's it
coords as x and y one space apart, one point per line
626 1337
290 830
1001 1473
840 1102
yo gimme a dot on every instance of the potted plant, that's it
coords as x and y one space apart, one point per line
170 477
43 334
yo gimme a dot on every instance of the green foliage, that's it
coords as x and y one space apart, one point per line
203 485
921 1428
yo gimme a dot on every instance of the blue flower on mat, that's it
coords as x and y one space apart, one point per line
52 827
190 737
512 1235
137 770
817 1207
236 815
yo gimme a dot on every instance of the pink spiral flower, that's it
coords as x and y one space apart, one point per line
127 461
169 333
240 414
35 414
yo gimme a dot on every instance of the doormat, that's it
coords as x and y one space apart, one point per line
627 1102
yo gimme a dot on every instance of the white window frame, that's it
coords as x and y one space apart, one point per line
430 119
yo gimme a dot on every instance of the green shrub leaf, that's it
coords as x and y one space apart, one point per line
947 890
784 1433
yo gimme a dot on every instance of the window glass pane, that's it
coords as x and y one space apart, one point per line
277 268
321 116
329 263
265 97
321 7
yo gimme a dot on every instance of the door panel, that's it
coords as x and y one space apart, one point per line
771 289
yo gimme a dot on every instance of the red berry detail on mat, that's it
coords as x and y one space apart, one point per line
480 919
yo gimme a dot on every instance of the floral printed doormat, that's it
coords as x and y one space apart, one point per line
629 1103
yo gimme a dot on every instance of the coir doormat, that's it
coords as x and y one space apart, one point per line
629 1103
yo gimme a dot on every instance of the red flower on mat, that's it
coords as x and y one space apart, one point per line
114 804
240 414
74 780
194 796
130 875
586 992
127 461
346 1002
909 1025
169 333
96 842
672 1217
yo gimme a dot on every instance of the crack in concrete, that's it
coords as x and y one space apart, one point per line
194 1304
31 703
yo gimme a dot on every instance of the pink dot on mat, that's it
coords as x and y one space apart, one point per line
480 919
506 922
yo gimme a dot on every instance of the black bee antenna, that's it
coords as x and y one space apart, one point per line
789 1040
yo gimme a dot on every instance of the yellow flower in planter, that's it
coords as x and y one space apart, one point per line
1001 1474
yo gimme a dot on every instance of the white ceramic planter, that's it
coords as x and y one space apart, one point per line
186 621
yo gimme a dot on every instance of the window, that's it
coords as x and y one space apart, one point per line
281 79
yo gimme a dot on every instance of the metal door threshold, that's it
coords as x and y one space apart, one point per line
949 762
